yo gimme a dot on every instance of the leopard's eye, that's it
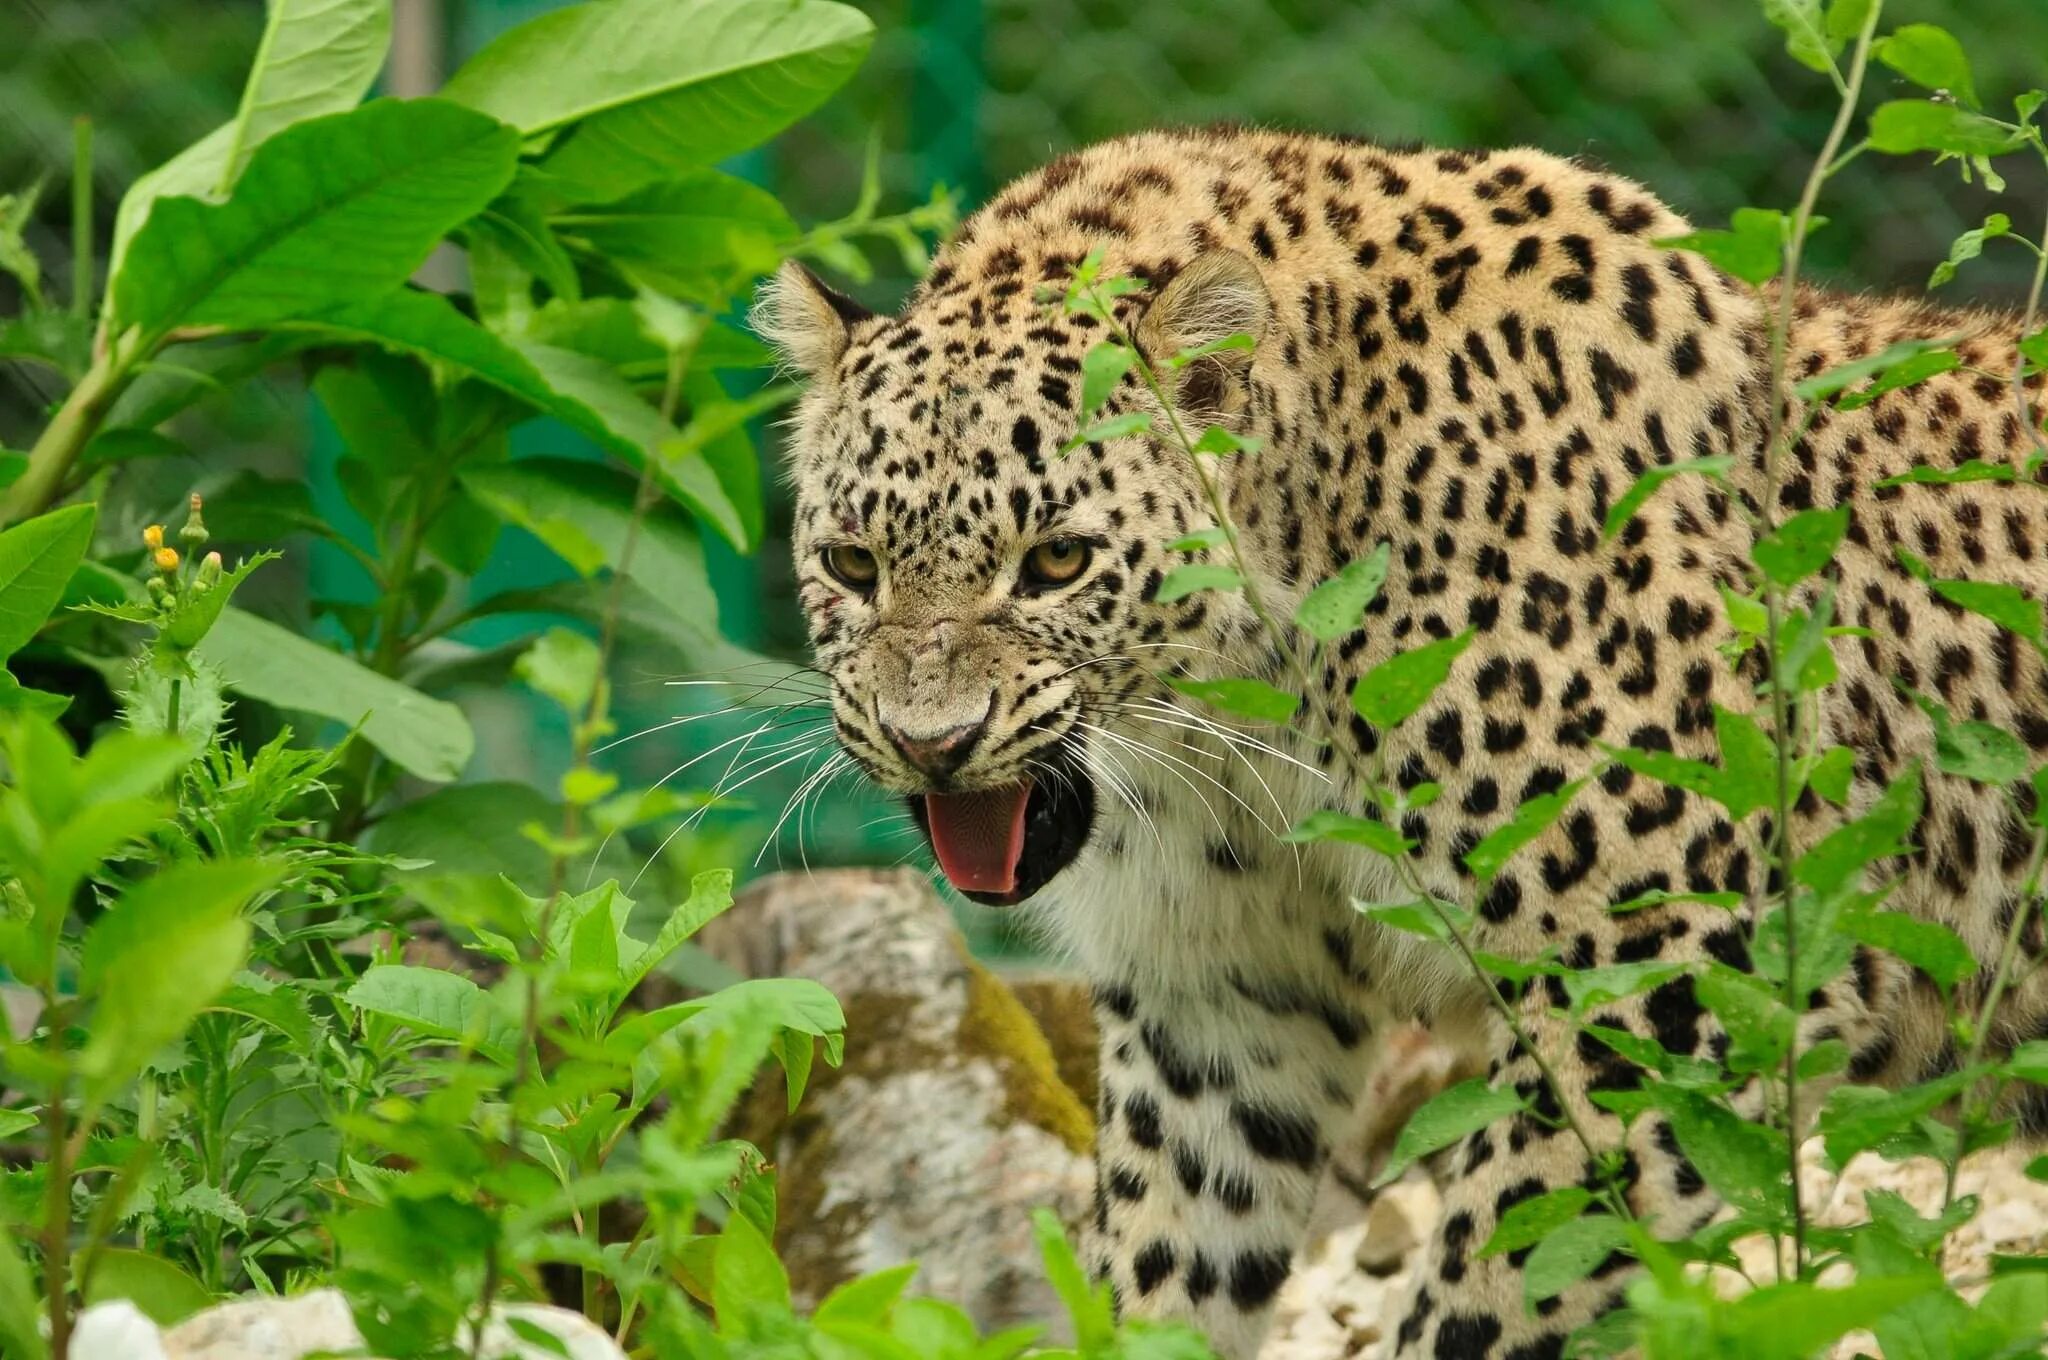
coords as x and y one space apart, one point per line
1055 562
852 566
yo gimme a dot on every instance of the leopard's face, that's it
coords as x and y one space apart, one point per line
981 602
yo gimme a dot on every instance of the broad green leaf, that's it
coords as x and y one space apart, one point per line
470 829
1241 697
429 737
163 1290
1903 126
1857 1117
702 235
1449 1115
2029 1062
37 558
1532 817
1590 987
1930 57
1715 467
1801 546
315 57
1752 249
1102 368
866 1299
1744 1163
1220 443
329 211
659 86
1968 247
1393 690
1191 577
1928 945
2007 606
436 1004
1831 774
161 954
1569 1253
582 392
1531 1220
1748 764
20 1303
597 503
1430 921
1337 606
1201 540
564 666
1908 373
1760 1027
1330 825
1794 1320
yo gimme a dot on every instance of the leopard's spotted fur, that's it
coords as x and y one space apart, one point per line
1470 355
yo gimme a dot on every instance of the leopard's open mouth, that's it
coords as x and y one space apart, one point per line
1001 846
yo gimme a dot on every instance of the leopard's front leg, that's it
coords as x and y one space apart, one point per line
1220 1095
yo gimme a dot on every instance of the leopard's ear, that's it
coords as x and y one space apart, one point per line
1219 295
805 319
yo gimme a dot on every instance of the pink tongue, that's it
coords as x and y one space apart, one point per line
979 837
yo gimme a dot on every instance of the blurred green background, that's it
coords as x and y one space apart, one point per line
1694 98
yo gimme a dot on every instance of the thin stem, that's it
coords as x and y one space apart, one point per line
57 1190
81 217
56 450
2019 365
171 717
1783 718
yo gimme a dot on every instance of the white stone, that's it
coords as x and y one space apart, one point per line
267 1329
116 1331
584 1339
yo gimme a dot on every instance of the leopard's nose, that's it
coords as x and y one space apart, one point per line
937 754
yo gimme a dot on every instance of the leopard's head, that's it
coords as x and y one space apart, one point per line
983 604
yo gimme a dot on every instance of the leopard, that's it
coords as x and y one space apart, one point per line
1467 356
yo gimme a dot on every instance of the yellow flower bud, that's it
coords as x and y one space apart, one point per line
166 559
153 536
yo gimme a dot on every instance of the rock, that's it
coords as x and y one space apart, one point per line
267 1329
583 1339
1388 1239
116 1331
949 1122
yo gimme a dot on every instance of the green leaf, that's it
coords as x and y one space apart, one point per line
1087 1305
1393 690
470 829
1807 37
1793 1320
163 1290
1759 1025
582 392
1449 1115
1857 1117
37 558
702 235
1532 817
1116 427
2007 606
1930 57
1569 1253
1425 920
1590 987
1844 376
1531 1220
1903 126
196 610
329 211
1748 764
161 954
315 57
1102 368
749 1278
1221 443
1845 18
2029 1062
1928 945
1968 247
596 503
710 894
1190 577
1831 773
565 667
1331 825
1337 606
1753 249
428 737
1973 470
20 1305
1242 697
659 86
1744 1163
1802 545
1974 750
1878 833
436 1004
1715 467
866 1299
